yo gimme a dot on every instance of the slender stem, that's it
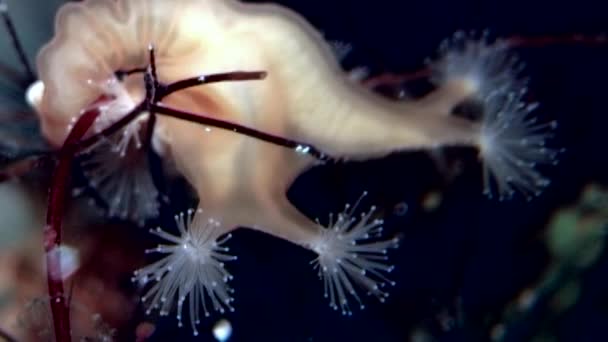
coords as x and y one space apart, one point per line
164 91
214 78
231 126
204 120
10 27
52 231
389 79
398 79
543 41
152 85
150 129
115 127
152 65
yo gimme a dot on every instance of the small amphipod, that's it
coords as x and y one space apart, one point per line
306 96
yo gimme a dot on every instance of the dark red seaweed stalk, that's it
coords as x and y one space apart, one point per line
52 230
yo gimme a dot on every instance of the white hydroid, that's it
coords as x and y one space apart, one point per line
193 269
512 142
124 183
353 257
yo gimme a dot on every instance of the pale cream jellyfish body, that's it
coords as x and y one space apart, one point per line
241 181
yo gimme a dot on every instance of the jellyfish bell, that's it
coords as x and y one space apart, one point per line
101 54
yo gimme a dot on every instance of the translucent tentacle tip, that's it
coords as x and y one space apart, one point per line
193 270
512 140
125 184
352 256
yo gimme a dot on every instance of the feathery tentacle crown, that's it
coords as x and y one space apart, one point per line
192 269
512 142
352 255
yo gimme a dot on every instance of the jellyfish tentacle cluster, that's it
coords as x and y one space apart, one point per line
242 181
512 141
194 269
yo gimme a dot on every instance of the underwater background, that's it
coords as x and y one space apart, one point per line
468 268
